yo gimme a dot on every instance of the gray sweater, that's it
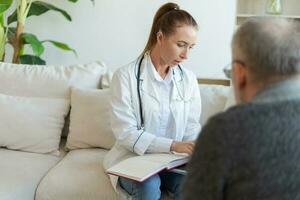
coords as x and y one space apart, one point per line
251 151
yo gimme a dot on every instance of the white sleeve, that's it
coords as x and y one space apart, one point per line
124 120
193 126
160 145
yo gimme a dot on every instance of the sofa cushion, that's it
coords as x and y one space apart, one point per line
79 175
21 173
213 99
31 124
89 119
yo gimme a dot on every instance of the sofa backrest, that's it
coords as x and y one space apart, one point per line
48 81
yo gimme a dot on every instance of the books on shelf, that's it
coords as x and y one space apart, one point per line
140 168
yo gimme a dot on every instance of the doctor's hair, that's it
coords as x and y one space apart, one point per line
168 17
269 47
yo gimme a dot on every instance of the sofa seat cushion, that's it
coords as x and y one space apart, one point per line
79 175
21 173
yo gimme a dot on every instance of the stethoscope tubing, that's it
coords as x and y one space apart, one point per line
139 93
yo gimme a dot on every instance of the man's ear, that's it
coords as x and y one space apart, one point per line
239 74
239 78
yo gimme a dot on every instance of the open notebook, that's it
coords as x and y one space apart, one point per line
140 168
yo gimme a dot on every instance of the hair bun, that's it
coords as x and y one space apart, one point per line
166 19
169 7
176 7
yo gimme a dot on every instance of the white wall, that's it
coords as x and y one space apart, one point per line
115 31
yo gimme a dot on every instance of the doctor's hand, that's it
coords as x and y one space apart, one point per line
182 147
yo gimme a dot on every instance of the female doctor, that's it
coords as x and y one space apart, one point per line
156 103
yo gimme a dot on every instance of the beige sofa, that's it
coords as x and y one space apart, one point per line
36 162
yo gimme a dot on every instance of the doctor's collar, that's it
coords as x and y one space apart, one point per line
155 75
147 67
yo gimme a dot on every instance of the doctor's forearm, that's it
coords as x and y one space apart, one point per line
160 145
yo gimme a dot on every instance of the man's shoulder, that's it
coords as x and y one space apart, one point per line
235 113
246 115
234 119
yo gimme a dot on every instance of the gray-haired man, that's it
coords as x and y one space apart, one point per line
252 151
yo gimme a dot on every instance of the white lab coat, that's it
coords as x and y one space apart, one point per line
185 107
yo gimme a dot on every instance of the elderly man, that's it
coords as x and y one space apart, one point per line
252 151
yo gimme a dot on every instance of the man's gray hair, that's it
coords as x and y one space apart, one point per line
268 46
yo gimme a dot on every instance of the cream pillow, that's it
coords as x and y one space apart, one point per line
31 124
89 119
213 99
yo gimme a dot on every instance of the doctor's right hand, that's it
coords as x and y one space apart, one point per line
183 147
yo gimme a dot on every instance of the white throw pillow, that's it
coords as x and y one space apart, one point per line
213 99
31 124
89 119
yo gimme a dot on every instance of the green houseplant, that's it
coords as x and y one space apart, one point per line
12 30
274 7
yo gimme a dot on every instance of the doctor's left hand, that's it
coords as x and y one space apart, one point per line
183 147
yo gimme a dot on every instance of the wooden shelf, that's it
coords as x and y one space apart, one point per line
252 8
209 81
253 15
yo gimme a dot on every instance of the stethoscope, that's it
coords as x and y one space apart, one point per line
141 127
138 75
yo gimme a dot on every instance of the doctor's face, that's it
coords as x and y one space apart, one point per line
174 48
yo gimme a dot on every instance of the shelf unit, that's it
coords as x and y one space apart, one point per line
251 8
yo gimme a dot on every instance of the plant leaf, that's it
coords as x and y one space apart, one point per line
4 5
36 45
37 8
2 42
31 59
62 46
